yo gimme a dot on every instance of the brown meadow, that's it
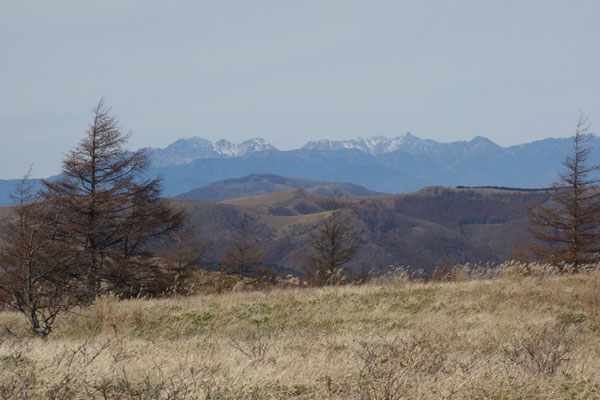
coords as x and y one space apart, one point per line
519 331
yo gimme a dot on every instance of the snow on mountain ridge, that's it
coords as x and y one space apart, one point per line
374 145
184 151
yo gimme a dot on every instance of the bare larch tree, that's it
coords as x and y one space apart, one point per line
568 226
179 260
244 255
334 247
36 274
110 211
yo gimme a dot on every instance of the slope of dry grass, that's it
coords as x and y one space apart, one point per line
517 335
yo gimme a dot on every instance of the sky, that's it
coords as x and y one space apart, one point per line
513 71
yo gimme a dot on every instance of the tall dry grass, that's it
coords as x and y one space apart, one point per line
515 332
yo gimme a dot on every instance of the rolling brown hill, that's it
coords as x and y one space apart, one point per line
257 184
417 230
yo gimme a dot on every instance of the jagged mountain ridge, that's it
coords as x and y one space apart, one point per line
402 164
184 151
374 145
397 165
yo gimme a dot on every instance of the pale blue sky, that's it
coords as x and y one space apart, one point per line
292 71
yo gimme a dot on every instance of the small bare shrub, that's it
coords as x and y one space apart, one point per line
381 373
80 357
387 370
18 386
182 384
543 350
254 345
151 387
20 375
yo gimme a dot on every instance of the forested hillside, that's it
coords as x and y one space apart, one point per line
434 225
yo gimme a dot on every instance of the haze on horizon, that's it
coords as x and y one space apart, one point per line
292 72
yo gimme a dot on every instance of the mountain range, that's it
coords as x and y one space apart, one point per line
397 165
388 165
418 229
184 151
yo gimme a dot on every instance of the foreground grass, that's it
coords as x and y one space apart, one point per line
510 337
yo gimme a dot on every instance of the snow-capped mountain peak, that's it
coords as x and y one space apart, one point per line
254 144
185 151
374 145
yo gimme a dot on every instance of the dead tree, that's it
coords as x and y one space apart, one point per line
334 245
568 226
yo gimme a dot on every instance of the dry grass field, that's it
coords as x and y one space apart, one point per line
520 333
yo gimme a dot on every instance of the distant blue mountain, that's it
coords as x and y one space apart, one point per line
390 165
397 165
256 184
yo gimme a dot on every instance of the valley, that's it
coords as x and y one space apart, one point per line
416 230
